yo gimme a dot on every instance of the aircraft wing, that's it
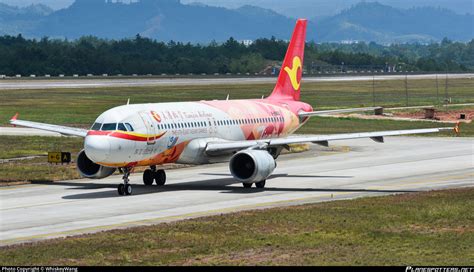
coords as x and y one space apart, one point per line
68 131
222 147
329 112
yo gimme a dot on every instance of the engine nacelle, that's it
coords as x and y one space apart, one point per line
90 169
251 166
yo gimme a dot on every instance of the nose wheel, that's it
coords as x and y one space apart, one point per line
125 188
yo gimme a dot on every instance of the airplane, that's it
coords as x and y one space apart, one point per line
249 134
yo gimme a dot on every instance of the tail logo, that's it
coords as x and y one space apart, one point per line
293 72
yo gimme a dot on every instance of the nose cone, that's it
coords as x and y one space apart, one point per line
97 148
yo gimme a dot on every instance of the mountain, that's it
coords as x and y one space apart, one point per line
167 20
322 8
376 22
14 20
163 20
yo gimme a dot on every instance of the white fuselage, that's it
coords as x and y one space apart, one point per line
153 134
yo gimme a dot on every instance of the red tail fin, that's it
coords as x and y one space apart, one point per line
289 80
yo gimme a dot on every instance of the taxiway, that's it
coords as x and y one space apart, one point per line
401 165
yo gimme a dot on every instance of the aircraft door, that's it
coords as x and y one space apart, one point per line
212 126
151 127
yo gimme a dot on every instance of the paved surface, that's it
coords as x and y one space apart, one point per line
403 164
12 84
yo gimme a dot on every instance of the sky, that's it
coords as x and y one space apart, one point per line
293 8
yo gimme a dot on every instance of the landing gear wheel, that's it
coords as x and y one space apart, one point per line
125 188
121 189
128 189
148 177
160 177
260 184
247 185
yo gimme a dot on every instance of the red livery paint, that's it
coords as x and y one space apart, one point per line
125 135
288 85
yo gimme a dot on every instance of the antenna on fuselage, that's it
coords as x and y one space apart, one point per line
128 102
228 96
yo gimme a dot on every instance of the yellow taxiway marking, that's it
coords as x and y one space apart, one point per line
20 186
432 181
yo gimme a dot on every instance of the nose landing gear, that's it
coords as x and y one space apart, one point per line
125 188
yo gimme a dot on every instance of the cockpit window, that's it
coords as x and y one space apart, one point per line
108 127
129 127
121 127
96 126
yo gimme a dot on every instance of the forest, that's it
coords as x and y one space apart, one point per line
139 55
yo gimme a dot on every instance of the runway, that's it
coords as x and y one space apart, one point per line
18 84
401 165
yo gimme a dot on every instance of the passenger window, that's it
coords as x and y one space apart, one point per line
121 127
96 126
109 127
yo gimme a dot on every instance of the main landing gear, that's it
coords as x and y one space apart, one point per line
149 176
125 188
158 176
259 185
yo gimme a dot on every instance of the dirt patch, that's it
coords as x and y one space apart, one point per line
447 116
426 229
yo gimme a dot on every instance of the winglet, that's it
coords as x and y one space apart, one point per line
457 128
14 117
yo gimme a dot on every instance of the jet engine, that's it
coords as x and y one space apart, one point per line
89 169
251 166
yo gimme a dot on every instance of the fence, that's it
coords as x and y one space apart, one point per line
438 91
